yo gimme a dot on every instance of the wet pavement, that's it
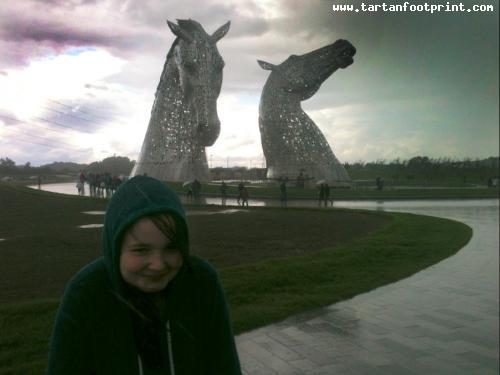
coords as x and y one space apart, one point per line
442 320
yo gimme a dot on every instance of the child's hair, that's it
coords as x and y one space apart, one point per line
172 229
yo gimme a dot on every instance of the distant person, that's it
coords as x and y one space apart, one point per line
245 195
81 177
115 183
39 181
223 193
321 195
326 194
241 187
283 193
196 189
189 194
91 178
145 306
79 187
108 182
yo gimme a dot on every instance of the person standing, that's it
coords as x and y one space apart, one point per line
245 195
326 194
241 187
283 193
321 196
223 193
196 190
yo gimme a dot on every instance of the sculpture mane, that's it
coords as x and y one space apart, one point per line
291 141
184 116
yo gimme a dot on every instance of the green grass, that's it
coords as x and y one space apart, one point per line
272 290
258 293
24 340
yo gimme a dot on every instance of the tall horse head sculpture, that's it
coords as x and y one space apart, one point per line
291 141
184 117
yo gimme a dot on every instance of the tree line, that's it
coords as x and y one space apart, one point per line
418 169
428 170
115 165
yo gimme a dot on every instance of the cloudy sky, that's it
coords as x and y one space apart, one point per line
78 77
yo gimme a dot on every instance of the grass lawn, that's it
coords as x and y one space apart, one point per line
272 262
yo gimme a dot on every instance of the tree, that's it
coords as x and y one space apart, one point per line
8 163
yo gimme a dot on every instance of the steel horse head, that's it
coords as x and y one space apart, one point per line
291 141
200 73
184 117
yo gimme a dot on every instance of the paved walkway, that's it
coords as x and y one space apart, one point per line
443 320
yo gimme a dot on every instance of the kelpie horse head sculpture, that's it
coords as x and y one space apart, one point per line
290 140
184 117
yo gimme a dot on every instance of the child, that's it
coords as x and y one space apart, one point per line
146 306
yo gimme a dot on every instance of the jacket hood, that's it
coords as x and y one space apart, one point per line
135 198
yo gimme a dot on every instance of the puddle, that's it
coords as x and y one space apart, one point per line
229 211
86 226
94 212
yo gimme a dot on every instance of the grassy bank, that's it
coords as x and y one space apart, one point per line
273 262
272 290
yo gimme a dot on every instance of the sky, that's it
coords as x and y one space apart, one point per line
78 77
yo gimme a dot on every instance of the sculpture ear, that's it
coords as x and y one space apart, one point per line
183 34
266 66
220 32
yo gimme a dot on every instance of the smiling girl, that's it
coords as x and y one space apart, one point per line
146 306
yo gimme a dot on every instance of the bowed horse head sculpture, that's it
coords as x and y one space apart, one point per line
304 74
184 117
290 140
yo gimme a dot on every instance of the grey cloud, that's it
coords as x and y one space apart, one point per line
211 15
9 118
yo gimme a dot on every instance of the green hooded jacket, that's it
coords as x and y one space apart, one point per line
95 331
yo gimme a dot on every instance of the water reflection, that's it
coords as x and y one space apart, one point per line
89 226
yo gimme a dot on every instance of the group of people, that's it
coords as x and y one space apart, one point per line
100 185
241 198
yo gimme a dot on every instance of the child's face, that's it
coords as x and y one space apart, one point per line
146 261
